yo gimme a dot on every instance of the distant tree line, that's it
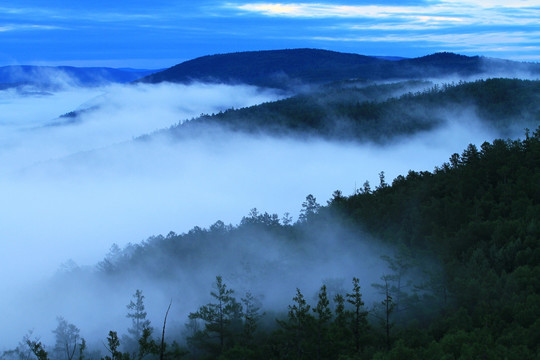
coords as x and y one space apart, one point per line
379 113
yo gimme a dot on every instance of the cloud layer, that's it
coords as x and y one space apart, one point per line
71 190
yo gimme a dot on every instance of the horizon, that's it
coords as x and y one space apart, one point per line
165 33
83 64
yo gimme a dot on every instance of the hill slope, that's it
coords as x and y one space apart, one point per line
286 68
379 113
268 68
470 227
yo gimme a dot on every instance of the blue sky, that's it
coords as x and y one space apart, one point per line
161 33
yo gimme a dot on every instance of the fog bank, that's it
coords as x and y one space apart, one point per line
73 189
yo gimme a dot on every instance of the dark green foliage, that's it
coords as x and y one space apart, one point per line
222 321
385 312
310 207
295 336
37 348
467 233
358 316
380 113
113 346
251 317
479 215
323 317
146 344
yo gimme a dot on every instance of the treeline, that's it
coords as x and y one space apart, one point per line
333 326
346 111
479 215
472 227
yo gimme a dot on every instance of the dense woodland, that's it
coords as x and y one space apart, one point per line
357 111
471 227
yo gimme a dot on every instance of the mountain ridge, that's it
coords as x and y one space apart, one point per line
281 68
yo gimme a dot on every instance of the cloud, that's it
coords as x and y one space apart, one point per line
92 187
74 189
29 27
470 40
316 10
447 13
123 112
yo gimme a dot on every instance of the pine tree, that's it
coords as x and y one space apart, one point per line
296 330
323 316
221 321
137 315
359 316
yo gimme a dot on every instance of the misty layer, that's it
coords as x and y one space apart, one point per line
77 206
453 246
73 189
27 79
382 113
260 255
117 113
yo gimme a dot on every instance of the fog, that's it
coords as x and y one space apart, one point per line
31 129
71 190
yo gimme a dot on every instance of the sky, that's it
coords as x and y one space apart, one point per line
162 33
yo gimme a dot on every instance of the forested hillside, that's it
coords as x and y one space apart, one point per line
350 111
462 280
288 69
277 68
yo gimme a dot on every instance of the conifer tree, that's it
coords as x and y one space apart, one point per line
359 315
137 314
297 327
221 320
323 317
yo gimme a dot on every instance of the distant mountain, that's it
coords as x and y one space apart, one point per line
287 68
45 77
274 68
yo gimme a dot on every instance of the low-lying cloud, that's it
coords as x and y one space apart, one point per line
33 131
70 191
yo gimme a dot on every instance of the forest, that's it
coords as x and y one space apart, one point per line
359 111
462 280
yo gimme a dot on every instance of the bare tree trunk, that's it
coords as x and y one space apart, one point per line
162 349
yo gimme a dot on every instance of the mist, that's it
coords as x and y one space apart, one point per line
72 189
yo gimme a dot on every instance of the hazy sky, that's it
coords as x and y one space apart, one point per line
161 33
